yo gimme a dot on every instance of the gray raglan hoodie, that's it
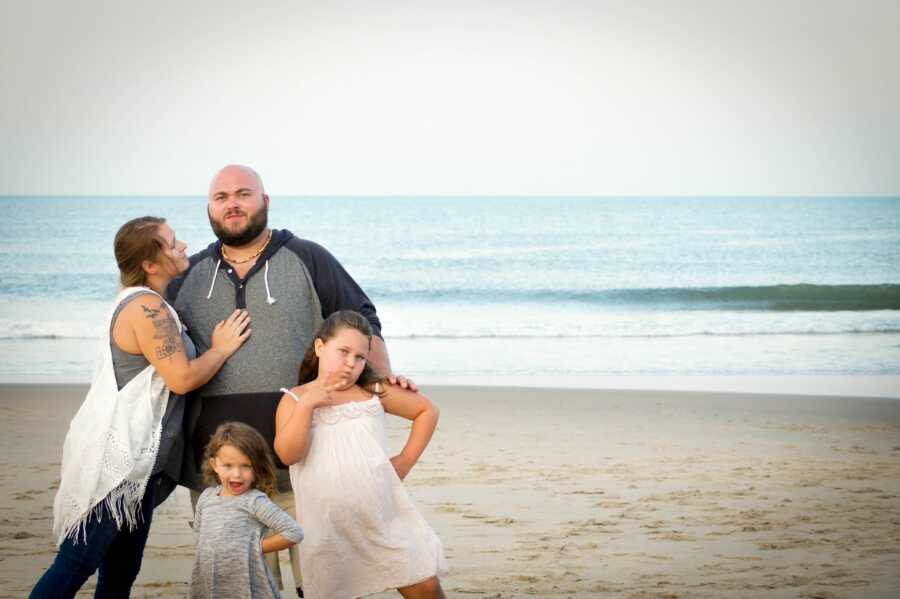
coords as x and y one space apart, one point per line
289 292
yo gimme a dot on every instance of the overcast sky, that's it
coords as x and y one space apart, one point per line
465 98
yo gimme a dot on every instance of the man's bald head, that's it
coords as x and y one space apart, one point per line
236 172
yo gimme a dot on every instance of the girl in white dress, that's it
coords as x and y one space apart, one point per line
363 535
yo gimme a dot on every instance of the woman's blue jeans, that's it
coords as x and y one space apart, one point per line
116 553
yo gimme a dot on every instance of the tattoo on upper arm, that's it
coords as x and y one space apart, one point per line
166 331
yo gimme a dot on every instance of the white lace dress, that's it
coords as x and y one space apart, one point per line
363 535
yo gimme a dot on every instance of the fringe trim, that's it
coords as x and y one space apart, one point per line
75 505
122 504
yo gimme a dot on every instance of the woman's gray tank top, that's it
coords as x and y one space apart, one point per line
127 366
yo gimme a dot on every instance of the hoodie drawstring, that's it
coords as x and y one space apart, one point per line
213 282
269 299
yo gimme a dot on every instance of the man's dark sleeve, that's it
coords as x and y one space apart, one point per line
335 287
173 288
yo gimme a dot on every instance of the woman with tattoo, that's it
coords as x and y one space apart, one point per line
123 450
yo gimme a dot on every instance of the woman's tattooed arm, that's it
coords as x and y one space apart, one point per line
166 331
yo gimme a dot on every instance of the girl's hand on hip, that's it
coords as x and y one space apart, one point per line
401 466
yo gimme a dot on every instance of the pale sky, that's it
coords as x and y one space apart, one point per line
460 97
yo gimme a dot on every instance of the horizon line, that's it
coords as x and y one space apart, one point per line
469 196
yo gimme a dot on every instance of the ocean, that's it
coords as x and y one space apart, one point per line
518 287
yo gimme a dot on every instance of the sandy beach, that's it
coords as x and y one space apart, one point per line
575 493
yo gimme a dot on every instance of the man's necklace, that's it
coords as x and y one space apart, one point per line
248 258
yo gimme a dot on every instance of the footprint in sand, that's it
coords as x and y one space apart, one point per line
528 558
671 535
592 526
502 521
605 587
787 544
29 494
743 558
19 534
450 507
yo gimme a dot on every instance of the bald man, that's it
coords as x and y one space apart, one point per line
289 285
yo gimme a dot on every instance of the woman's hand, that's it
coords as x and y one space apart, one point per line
231 333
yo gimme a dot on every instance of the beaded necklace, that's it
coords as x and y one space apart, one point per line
248 258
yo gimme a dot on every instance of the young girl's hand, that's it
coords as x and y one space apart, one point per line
401 466
320 390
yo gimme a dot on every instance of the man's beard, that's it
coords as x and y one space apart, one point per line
258 223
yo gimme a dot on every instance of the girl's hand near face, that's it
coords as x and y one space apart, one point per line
293 417
320 391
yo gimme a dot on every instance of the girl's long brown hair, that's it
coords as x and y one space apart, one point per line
248 440
342 319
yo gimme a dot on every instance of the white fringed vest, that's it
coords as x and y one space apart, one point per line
112 443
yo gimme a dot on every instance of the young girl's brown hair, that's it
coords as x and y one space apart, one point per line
342 319
248 440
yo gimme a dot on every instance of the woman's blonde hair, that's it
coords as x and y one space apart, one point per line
248 440
136 241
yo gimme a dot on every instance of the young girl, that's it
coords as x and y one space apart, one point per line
363 534
232 516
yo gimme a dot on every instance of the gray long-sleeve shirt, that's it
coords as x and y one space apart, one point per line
229 530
